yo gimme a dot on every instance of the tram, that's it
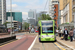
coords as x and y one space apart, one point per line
46 30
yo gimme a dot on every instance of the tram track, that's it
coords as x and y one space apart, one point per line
43 46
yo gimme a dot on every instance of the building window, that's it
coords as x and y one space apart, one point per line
73 2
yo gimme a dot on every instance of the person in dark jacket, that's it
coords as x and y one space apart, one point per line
66 34
71 35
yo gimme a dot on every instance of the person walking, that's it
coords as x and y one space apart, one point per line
66 34
29 29
71 35
61 32
57 32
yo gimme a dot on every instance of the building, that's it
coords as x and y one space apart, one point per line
56 14
15 24
32 14
66 13
2 11
39 15
52 8
17 16
73 11
32 21
32 17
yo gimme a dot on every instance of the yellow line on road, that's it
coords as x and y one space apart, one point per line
8 43
59 46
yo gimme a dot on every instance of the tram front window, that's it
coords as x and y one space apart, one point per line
47 27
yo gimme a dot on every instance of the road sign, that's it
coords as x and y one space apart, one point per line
9 25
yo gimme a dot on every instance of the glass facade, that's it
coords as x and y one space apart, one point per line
17 16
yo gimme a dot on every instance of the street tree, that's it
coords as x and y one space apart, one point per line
26 25
45 17
6 24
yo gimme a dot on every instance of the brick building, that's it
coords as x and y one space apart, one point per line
56 14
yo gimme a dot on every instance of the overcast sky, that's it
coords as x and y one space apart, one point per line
25 5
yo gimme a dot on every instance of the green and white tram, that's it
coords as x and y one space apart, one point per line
47 30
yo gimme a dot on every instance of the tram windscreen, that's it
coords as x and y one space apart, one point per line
47 27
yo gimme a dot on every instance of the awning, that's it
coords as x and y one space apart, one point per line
67 24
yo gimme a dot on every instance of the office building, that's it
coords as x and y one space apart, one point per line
17 16
15 24
52 8
32 14
2 11
32 21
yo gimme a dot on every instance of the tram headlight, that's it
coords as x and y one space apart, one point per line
52 36
42 36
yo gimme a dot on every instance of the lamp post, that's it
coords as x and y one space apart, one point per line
11 15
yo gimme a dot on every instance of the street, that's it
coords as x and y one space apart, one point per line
23 42
44 46
26 41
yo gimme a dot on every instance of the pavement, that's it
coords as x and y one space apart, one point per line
66 43
4 36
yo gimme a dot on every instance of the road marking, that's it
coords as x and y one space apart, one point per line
9 43
66 45
59 46
32 43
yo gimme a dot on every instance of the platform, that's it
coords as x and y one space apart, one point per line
5 38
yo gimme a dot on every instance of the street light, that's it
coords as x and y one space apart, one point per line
11 15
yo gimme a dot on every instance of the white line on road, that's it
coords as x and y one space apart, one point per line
32 43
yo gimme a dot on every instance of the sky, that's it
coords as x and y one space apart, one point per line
25 5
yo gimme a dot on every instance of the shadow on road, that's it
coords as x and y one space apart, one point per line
47 41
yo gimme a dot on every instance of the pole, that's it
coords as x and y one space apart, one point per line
74 19
11 15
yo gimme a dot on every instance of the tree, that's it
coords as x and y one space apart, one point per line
45 17
26 25
6 24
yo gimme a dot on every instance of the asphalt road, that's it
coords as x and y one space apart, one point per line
44 46
23 42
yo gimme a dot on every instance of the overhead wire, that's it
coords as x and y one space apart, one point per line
45 4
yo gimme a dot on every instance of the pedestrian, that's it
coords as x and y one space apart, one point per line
32 30
8 30
57 32
61 32
71 35
29 30
66 34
